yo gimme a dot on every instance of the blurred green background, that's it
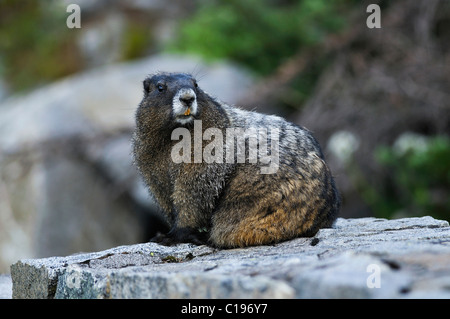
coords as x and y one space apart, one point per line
376 99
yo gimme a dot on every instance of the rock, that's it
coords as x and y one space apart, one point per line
357 258
67 183
5 287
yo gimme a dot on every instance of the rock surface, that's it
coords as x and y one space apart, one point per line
357 258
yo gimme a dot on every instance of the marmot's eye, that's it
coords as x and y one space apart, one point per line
161 87
195 85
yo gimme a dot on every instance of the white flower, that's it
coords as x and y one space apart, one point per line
342 145
410 141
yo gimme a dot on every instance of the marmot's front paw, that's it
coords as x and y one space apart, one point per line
181 235
163 239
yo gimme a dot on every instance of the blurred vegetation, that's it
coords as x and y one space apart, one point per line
136 40
34 48
419 170
37 48
259 34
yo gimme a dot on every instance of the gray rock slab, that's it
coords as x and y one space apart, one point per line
357 258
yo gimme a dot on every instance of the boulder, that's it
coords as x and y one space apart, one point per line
5 287
357 258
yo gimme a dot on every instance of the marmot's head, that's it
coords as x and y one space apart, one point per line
172 98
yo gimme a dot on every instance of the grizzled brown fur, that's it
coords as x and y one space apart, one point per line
228 204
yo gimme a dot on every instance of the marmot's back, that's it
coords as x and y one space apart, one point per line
260 179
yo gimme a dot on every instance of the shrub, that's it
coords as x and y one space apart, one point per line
259 34
419 177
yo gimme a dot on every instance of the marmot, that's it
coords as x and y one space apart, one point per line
237 189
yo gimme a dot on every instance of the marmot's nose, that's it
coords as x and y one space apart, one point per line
187 99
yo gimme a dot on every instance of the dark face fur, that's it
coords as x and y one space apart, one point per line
170 100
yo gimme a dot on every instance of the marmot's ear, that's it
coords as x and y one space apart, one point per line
146 85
